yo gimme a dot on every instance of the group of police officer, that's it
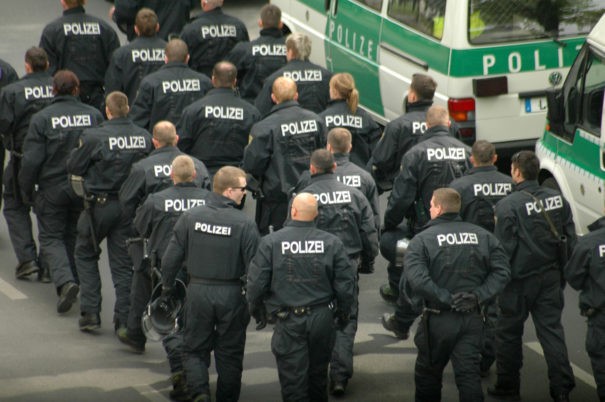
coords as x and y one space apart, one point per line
462 246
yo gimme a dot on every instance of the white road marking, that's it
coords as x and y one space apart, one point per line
580 374
10 291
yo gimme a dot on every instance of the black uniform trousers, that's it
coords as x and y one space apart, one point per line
109 223
57 211
17 215
451 336
302 346
542 296
595 346
216 318
140 290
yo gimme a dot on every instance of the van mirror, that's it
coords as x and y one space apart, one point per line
556 112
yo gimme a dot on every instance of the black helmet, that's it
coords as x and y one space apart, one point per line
160 317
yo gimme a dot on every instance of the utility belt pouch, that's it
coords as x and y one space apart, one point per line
562 251
589 311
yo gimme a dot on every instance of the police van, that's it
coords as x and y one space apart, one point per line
572 148
492 59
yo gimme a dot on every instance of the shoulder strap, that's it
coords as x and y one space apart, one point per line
553 229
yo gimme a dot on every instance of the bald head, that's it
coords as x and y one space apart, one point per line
437 116
284 89
304 207
164 134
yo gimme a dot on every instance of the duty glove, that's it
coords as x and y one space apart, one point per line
165 300
464 302
259 312
341 319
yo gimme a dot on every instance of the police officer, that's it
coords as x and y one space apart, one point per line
132 62
345 212
148 176
53 132
155 220
339 144
83 44
431 164
165 93
103 159
401 134
280 151
172 15
19 101
7 74
343 111
281 284
216 242
526 222
212 35
453 266
215 129
585 272
258 59
480 189
313 81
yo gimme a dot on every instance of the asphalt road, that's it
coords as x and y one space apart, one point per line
44 357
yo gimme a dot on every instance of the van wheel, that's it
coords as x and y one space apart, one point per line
551 183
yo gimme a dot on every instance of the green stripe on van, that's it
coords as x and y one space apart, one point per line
583 153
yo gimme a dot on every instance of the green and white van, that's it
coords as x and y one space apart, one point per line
492 59
572 148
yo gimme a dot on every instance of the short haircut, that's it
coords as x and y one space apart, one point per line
37 58
340 139
448 199
284 89
483 152
300 44
65 82
164 132
176 51
322 160
528 163
224 74
437 116
183 169
214 3
227 176
270 16
424 86
75 3
146 22
117 103
344 85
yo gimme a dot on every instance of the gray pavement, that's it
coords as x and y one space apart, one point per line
44 357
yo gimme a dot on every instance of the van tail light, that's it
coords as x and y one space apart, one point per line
462 111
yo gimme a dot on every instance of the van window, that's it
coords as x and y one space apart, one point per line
423 15
494 21
373 4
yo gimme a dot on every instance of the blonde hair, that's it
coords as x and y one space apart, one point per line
344 85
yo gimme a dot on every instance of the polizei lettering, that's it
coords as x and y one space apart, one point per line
146 55
298 127
601 250
186 85
302 247
344 121
269 50
219 31
81 28
136 142
38 92
212 229
457 239
554 202
182 205
224 112
351 181
334 197
492 189
79 120
304 75
161 170
449 153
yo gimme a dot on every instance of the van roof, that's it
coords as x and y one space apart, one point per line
597 35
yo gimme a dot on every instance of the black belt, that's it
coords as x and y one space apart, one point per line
302 310
212 281
437 309
101 198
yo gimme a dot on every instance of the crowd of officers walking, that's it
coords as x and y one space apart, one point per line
154 146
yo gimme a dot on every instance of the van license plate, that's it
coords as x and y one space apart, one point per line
533 105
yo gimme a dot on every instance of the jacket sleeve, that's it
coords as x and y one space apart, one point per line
143 219
506 229
176 252
140 112
132 191
344 278
257 154
184 128
260 272
7 113
250 243
416 273
34 151
113 75
368 229
499 271
577 267
263 100
384 154
569 228
47 44
81 158
403 194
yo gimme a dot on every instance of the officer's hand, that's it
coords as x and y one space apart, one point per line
464 302
166 298
28 198
341 320
259 312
